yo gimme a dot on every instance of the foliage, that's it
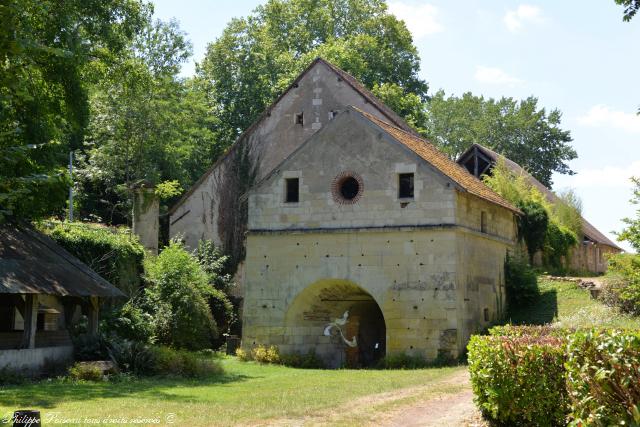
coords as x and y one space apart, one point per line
257 57
146 124
632 232
519 380
182 363
129 322
408 105
89 347
603 377
168 189
215 264
631 7
622 287
10 376
50 53
223 314
85 371
133 357
178 299
521 282
113 253
567 211
558 241
532 225
271 355
519 130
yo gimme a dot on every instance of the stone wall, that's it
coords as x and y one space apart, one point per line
319 95
35 360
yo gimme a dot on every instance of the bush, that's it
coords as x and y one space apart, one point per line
263 354
178 293
183 363
532 225
11 377
622 286
223 314
521 281
302 361
113 253
89 347
529 331
132 357
519 380
86 372
603 377
129 322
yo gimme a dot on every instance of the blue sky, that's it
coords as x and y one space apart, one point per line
577 56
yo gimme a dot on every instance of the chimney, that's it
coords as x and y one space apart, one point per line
146 210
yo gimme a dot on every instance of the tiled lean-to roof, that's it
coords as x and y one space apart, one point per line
441 162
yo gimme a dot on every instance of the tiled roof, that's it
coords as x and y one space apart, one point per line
588 229
440 161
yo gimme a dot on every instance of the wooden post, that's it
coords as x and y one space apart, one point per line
30 321
94 308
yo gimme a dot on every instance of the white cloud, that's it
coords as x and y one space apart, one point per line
495 76
515 19
604 177
601 115
421 19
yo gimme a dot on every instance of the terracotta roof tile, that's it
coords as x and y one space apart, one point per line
440 161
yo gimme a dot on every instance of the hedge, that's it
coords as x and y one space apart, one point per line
519 380
111 252
541 375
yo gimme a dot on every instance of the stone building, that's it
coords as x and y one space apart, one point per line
362 239
594 246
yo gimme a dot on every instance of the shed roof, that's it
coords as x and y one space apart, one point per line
32 263
591 232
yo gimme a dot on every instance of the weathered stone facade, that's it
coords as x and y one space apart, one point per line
433 270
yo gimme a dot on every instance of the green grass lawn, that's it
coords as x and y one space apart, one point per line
246 393
568 305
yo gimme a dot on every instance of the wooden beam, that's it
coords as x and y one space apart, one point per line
30 321
94 308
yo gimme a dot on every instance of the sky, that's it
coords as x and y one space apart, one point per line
574 55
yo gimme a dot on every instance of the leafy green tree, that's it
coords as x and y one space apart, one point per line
631 233
519 130
50 52
631 7
408 105
258 56
146 124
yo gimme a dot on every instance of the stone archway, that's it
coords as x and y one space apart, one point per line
338 320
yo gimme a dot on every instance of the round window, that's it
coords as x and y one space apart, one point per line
347 188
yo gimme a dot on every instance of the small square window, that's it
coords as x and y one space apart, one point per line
332 114
486 315
293 190
405 186
483 222
300 118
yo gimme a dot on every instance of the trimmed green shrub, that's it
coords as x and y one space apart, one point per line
603 377
302 361
520 279
178 295
113 253
529 331
271 355
86 372
519 380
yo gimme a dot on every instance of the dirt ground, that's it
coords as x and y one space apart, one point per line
449 402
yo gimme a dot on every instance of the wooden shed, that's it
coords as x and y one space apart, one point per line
44 290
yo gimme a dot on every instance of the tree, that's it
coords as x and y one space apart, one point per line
146 124
631 233
519 130
631 7
50 52
257 57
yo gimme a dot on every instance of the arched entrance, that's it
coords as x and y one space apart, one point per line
338 320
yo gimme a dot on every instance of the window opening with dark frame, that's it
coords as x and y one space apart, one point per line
405 186
483 222
292 190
